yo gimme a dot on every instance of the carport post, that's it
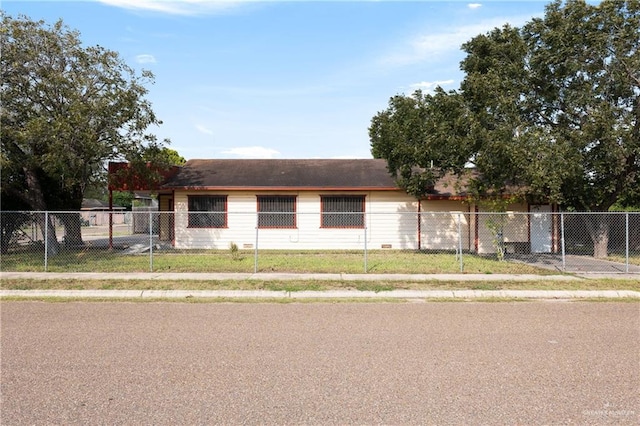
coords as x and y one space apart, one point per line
626 239
562 240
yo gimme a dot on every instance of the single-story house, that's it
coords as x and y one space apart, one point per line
97 213
331 204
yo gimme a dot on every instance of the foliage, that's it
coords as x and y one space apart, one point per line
166 156
235 252
67 109
147 168
123 199
619 207
496 222
548 111
416 135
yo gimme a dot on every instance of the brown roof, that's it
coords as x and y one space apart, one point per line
449 186
361 174
303 174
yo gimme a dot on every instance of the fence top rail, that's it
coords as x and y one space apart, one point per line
423 212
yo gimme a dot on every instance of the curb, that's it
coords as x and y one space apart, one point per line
332 294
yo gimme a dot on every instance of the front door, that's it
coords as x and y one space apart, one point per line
540 229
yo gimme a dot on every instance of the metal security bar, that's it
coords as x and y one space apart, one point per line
277 238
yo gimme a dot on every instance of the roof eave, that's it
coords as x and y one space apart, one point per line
279 188
437 197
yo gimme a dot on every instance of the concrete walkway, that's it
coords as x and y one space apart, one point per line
330 294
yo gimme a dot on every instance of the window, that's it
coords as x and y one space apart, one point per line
342 211
276 211
207 211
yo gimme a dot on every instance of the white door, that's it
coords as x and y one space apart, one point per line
540 230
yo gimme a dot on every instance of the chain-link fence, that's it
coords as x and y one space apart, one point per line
323 242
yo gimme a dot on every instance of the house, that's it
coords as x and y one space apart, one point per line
97 213
331 204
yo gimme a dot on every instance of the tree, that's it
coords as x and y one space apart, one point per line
166 156
553 108
67 109
148 166
415 134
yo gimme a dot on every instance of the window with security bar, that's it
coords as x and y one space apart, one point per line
207 211
342 211
276 211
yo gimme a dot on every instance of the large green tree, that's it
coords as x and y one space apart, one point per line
552 108
67 109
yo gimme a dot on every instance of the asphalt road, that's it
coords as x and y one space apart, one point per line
427 363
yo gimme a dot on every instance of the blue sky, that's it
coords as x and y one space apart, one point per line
271 79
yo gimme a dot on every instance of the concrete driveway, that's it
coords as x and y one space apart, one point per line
574 264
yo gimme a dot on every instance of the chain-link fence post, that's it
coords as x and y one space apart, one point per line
365 249
46 240
626 241
562 242
460 241
255 251
150 240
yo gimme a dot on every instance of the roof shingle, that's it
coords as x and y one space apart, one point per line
299 174
279 174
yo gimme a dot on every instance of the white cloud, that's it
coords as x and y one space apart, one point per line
203 129
424 47
252 152
145 59
177 7
428 86
474 5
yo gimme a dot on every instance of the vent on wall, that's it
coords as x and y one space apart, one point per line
247 246
386 246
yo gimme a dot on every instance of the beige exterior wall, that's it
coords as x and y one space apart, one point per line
101 218
514 224
391 222
442 223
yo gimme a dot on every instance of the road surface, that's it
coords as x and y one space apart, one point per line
325 364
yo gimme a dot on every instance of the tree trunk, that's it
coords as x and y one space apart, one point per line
49 234
35 199
72 228
9 224
598 227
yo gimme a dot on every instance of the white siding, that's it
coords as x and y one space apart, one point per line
439 225
514 223
391 221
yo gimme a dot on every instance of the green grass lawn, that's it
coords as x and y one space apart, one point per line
316 285
634 259
352 262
